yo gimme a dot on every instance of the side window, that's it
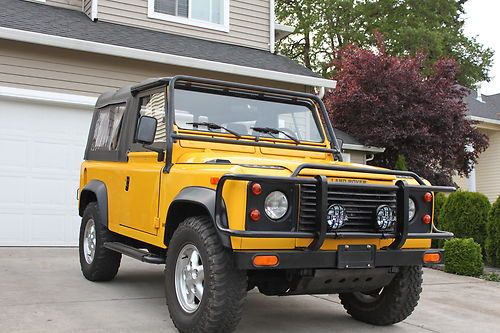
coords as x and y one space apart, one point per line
154 106
107 128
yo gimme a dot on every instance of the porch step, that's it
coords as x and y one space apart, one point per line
135 253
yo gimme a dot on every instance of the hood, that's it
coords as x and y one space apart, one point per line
248 163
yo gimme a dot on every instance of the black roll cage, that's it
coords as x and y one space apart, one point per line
238 87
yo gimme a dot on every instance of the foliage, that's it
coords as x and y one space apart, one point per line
466 214
439 200
491 276
492 244
387 101
463 256
409 26
401 163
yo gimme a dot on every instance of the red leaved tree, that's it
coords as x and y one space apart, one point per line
387 101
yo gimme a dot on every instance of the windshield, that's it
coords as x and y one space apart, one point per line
245 116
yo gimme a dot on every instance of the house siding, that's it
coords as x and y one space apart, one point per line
357 157
488 167
248 21
70 4
87 7
53 69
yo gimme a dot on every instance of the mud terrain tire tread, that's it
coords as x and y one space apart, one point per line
396 303
106 262
224 294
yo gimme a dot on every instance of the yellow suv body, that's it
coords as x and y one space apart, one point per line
246 183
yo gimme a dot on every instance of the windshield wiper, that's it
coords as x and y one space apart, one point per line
273 131
214 126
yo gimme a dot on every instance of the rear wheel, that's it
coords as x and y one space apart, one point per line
204 291
97 262
388 305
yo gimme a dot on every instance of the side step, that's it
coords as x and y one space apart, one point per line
135 253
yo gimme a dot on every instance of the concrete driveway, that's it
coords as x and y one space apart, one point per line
42 290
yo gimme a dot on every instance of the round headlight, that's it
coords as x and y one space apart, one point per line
276 205
411 209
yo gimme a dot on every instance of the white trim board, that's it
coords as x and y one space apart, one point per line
349 146
158 57
484 120
47 97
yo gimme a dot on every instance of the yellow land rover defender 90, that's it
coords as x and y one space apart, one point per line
235 187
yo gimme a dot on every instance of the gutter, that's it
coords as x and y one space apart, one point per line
349 146
158 57
484 120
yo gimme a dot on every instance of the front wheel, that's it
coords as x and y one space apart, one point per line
204 291
388 305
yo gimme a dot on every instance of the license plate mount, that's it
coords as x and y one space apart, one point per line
356 256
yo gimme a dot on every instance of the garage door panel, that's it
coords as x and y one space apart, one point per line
41 149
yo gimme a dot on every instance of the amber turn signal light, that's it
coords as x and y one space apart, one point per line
426 219
266 261
428 197
255 215
432 258
256 188
214 180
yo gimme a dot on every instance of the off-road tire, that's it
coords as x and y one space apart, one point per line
105 264
394 304
224 286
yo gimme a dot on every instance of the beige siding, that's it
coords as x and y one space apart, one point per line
47 68
70 4
87 7
488 167
358 157
248 21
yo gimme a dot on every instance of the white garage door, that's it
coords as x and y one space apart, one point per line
41 148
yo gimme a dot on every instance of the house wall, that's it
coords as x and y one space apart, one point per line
248 21
487 168
70 4
53 69
87 7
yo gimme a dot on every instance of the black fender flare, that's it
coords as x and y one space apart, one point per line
202 199
95 190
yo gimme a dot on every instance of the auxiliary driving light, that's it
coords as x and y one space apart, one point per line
385 217
336 217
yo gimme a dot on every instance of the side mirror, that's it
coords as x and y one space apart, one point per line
146 130
340 143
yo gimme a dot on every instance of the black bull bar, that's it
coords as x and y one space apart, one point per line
400 235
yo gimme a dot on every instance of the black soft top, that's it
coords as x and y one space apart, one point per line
125 93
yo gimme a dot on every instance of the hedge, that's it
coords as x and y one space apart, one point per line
439 201
466 215
463 256
492 244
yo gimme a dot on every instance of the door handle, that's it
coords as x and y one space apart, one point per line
127 183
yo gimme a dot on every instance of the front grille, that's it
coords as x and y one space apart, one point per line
360 205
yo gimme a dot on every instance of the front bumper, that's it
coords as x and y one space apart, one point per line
399 236
336 259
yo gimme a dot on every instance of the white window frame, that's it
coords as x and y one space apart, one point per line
190 21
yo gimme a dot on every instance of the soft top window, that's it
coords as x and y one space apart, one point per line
107 127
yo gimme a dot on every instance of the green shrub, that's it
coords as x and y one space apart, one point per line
401 163
439 200
463 256
465 214
492 244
